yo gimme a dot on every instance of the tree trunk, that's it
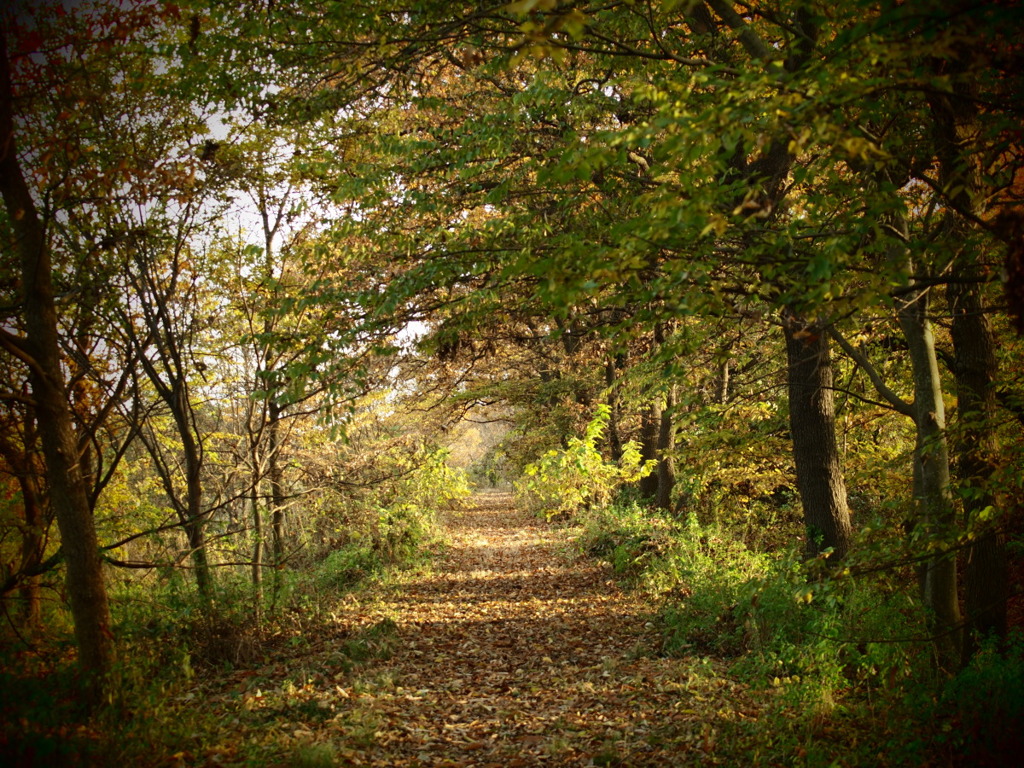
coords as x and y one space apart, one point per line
257 547
954 123
819 473
666 444
650 429
22 461
976 449
40 349
195 522
277 518
937 522
31 551
722 384
614 439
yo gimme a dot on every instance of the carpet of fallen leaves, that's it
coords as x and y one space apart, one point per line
507 652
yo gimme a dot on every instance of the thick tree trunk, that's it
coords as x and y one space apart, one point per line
650 430
40 349
976 449
937 521
70 501
657 436
819 471
195 530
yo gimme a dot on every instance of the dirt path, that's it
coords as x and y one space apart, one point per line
509 653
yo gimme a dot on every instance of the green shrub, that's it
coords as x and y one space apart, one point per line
982 708
781 618
345 567
563 482
435 484
716 578
635 540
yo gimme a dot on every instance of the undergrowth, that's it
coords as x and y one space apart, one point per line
173 645
843 663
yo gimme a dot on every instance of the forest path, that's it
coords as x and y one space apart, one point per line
510 653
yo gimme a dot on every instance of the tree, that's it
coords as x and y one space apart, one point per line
20 460
812 422
39 350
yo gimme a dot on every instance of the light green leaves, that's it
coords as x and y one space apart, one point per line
565 481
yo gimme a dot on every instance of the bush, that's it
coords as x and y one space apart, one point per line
563 482
716 579
345 567
982 708
780 617
633 539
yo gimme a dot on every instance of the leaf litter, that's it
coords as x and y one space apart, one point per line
508 652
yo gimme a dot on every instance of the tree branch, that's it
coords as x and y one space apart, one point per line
750 40
897 402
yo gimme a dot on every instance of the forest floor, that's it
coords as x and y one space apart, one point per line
508 651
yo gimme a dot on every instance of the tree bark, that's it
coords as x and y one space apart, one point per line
976 449
20 453
277 516
666 444
932 495
819 473
722 384
196 526
31 551
650 429
40 350
192 454
257 547
614 439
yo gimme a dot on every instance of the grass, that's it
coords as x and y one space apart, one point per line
201 685
844 675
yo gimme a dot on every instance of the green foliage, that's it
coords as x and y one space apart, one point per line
435 483
636 541
736 471
983 707
708 609
320 755
824 644
578 477
347 566
395 536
